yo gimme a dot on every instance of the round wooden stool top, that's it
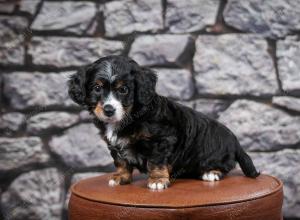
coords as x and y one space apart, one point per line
234 197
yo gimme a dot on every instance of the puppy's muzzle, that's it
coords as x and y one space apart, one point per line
109 110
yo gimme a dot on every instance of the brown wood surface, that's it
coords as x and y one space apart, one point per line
235 197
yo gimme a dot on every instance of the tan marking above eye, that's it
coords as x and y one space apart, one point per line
99 82
119 84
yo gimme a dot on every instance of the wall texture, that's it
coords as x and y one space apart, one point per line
235 60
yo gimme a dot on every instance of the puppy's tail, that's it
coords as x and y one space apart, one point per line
246 163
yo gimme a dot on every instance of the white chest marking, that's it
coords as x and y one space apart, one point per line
113 138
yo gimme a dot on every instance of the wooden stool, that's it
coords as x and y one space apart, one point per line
234 197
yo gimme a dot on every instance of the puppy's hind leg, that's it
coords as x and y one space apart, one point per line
212 175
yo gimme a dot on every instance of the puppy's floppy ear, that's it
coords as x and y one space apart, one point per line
76 84
145 81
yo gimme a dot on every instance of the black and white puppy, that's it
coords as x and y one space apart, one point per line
152 133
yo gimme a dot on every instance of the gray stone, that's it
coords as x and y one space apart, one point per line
11 122
259 127
85 116
175 83
96 29
74 17
71 51
162 49
290 103
13 31
7 7
284 165
236 64
76 178
127 16
35 195
51 121
1 89
28 90
189 104
288 55
80 176
211 107
190 15
81 147
29 6
15 153
272 19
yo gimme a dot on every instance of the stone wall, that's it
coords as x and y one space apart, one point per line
235 60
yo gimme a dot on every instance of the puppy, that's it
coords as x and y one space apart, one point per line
152 133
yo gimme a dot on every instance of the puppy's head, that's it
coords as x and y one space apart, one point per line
112 86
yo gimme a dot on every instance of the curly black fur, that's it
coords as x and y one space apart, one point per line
158 130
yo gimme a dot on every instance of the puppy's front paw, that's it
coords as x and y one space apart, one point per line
158 183
118 179
213 175
113 182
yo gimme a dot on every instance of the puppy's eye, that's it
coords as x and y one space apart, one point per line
123 90
97 88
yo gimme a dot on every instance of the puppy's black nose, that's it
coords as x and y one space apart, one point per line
109 110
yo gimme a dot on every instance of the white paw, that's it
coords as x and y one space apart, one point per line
210 176
157 186
112 183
